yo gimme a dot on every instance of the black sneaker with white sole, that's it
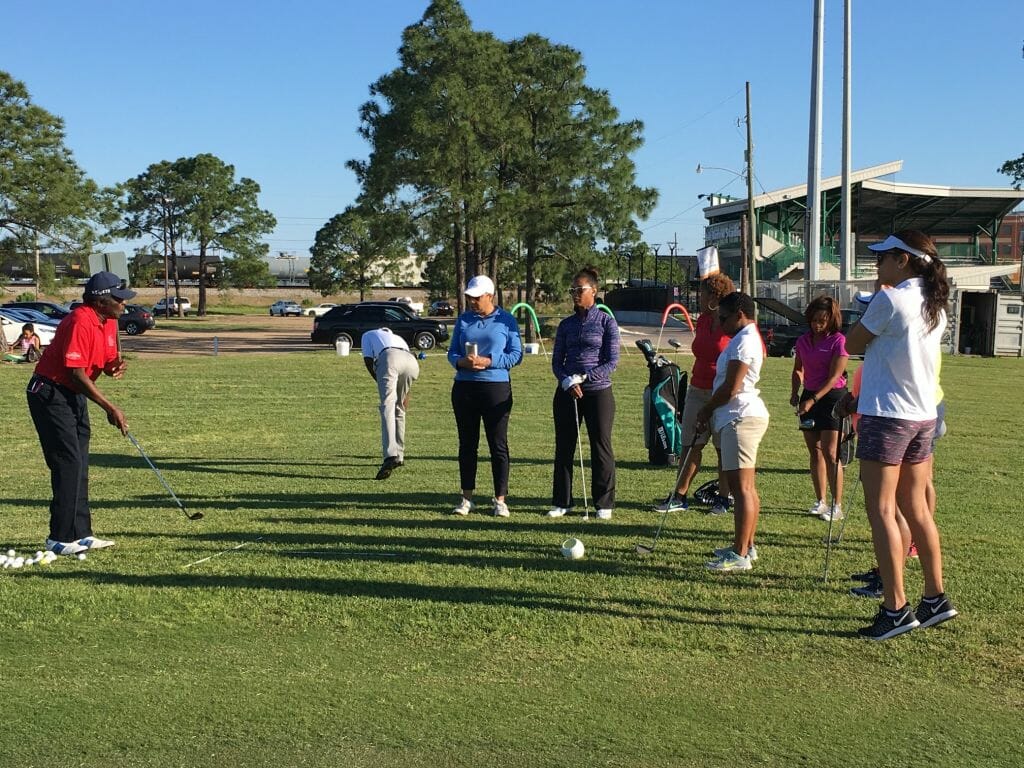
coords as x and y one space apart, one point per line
935 610
889 624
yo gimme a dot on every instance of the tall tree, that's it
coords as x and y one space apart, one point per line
356 248
45 198
1015 170
195 199
149 207
219 212
494 144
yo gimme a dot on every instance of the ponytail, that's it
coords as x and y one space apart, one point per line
936 289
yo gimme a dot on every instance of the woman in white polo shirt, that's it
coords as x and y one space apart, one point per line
738 419
900 336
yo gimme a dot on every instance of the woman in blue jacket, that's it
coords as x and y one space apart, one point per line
586 352
485 345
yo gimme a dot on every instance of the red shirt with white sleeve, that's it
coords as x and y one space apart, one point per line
83 339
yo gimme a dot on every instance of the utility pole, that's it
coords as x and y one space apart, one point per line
845 216
752 227
812 241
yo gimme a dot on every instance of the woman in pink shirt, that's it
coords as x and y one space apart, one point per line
820 364
708 342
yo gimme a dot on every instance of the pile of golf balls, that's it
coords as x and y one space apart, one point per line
13 560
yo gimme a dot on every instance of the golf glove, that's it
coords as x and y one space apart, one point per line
571 381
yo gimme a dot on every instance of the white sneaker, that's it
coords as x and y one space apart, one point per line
818 509
557 512
64 547
729 562
604 514
92 542
501 508
464 507
835 514
722 551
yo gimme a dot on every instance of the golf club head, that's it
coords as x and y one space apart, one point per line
837 539
194 515
644 551
675 343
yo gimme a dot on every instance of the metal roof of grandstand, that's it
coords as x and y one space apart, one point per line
882 205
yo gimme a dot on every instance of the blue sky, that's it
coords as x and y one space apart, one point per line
274 88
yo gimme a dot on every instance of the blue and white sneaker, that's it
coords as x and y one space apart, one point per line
722 505
65 547
94 542
673 504
935 610
888 624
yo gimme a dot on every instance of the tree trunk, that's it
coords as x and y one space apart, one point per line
531 255
460 267
201 311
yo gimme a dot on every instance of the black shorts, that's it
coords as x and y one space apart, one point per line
821 411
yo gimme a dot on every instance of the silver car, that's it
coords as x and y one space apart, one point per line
282 308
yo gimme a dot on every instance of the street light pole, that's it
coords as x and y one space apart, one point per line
167 302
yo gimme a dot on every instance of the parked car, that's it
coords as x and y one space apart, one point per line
349 322
53 311
442 308
136 319
781 337
282 308
31 316
11 328
172 304
415 306
319 310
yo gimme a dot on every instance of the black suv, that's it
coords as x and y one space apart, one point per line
349 322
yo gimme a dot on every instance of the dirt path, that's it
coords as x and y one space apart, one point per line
229 334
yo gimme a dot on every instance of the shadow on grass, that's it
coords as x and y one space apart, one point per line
625 608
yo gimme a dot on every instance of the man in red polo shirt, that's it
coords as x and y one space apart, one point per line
84 346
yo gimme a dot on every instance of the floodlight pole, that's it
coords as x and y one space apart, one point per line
751 288
845 216
812 242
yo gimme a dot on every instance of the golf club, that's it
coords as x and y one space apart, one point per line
642 549
583 474
194 515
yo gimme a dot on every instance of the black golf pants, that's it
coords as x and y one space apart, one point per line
597 409
62 422
490 402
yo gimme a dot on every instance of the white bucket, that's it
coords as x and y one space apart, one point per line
343 347
533 348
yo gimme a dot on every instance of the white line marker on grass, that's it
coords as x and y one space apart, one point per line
243 544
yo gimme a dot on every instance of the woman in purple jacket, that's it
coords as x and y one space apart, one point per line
586 352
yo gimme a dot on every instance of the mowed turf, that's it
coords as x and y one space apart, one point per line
347 622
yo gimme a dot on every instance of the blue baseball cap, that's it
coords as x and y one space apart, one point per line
107 284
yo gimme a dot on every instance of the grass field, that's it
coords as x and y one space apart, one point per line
350 622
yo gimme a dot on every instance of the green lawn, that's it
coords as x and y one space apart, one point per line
352 622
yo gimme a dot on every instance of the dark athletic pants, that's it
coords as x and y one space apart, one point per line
597 409
490 401
62 422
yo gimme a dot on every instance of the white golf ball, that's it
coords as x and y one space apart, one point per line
81 555
11 553
18 562
572 549
39 555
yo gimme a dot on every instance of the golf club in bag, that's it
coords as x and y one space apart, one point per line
664 397
845 450
642 549
192 516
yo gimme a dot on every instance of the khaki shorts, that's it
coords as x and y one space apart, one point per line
695 400
738 441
